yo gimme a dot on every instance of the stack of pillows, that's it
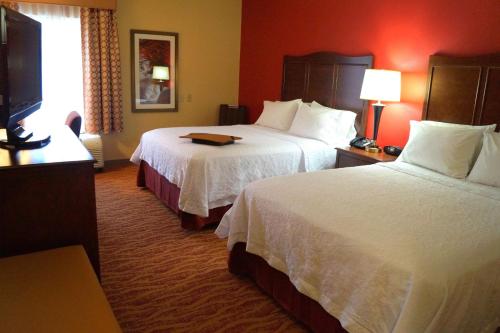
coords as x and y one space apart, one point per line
459 151
315 121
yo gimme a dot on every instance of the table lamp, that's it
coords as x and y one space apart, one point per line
380 85
161 73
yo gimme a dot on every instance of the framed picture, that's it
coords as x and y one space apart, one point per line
154 70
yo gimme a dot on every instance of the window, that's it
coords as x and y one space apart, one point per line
62 75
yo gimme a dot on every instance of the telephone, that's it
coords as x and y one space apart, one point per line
360 142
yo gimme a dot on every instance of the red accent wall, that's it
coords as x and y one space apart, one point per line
400 34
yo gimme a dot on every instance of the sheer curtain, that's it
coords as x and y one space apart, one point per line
62 72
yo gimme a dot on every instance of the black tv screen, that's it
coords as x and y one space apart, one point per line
21 62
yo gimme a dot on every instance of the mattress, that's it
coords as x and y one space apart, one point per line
212 176
383 248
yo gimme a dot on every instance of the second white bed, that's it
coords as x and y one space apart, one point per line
212 176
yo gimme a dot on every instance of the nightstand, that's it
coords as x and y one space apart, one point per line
351 157
232 115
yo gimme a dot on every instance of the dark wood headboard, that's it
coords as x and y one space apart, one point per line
328 78
463 90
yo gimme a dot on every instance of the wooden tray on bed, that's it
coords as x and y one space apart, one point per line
211 139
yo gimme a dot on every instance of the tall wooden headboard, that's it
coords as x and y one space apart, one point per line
463 90
328 78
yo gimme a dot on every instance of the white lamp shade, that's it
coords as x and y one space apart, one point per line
381 85
161 73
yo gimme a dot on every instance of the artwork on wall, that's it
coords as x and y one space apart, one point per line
154 70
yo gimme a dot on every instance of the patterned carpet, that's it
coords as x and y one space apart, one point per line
160 278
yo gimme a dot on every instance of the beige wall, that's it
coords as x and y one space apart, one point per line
209 50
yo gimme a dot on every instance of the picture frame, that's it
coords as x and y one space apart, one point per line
154 74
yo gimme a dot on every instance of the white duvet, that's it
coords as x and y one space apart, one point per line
383 248
212 176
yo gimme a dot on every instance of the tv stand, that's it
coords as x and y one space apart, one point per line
48 198
19 138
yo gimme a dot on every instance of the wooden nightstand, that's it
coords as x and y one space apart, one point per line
350 157
232 115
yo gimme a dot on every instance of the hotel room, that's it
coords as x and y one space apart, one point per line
249 166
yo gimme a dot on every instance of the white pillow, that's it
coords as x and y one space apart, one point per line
317 124
278 115
448 150
487 168
415 127
346 120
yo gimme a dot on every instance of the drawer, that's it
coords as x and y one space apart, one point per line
344 161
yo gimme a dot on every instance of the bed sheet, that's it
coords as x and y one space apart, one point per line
212 176
383 248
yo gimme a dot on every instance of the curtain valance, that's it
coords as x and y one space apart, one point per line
100 4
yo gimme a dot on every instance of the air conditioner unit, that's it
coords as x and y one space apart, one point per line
93 143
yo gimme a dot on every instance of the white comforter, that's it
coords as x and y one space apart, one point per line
211 176
384 248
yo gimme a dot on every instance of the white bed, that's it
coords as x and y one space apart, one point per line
319 100
389 247
212 176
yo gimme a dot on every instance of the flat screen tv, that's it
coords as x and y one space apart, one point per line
20 77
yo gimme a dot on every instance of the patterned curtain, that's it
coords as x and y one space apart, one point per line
11 5
101 71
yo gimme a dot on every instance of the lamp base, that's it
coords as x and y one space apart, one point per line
377 114
373 147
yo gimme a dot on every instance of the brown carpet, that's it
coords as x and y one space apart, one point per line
161 278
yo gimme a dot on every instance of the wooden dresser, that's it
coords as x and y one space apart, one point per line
47 198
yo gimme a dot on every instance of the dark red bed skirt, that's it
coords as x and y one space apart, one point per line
279 287
168 193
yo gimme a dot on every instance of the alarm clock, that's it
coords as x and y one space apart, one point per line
393 150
